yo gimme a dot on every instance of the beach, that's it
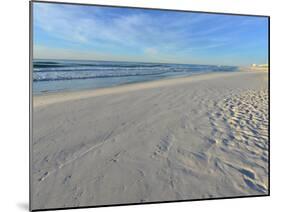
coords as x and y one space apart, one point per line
195 137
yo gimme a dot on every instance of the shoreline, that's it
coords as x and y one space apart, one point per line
62 96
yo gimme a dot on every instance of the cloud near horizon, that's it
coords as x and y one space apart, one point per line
106 33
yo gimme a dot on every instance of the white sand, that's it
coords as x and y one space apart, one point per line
196 137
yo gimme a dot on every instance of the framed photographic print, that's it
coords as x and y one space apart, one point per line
138 105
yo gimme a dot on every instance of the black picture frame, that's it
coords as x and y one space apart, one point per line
130 7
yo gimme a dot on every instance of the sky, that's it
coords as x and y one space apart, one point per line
63 31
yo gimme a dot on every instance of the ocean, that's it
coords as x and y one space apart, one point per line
71 75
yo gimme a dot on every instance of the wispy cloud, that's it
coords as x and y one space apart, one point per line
141 33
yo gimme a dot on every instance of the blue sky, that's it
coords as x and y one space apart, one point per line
103 33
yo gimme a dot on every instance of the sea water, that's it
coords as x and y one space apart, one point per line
72 75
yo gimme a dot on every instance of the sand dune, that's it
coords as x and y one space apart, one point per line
196 137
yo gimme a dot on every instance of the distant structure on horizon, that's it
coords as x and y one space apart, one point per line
259 65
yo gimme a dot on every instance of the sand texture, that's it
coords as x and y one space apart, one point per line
203 136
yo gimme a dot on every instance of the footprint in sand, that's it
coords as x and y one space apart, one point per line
255 185
164 146
45 175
